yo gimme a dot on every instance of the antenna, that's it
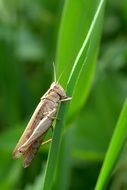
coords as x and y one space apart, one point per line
54 70
65 68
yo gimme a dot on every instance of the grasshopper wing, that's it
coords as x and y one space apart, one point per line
35 119
41 128
29 155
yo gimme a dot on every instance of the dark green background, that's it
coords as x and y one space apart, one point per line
28 38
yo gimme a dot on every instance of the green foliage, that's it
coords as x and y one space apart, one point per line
33 34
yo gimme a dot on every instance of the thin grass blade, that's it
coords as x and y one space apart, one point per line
116 144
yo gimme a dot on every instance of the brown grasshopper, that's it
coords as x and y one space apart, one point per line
40 122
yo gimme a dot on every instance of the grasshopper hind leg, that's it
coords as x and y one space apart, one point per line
45 142
49 140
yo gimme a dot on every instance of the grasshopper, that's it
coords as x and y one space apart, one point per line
40 122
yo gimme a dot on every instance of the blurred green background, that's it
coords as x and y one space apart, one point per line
28 37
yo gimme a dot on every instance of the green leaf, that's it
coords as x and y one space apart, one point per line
53 152
76 20
116 144
85 60
76 70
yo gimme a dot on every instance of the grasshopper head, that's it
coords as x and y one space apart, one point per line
60 91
